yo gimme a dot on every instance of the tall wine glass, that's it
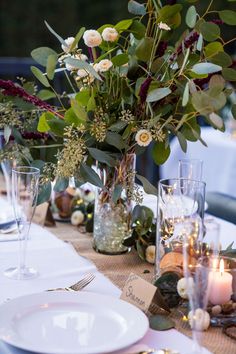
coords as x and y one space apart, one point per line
24 198
198 263
190 169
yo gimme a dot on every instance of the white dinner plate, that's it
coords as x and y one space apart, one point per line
71 323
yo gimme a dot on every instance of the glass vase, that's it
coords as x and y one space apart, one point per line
113 207
179 201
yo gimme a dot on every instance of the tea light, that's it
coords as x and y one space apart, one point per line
220 285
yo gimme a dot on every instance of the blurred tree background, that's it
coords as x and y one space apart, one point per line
22 28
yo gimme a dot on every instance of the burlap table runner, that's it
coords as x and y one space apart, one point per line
117 269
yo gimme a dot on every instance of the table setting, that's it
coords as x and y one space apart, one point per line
95 258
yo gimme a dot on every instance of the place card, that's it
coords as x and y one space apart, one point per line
142 294
42 215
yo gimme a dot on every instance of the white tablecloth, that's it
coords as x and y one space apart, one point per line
219 160
59 265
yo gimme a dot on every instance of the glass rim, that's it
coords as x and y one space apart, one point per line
191 160
31 170
161 181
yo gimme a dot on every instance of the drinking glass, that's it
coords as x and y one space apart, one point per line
179 200
190 169
198 265
24 198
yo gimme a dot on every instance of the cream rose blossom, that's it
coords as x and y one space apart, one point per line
77 218
110 34
200 319
104 65
183 285
150 254
66 48
143 137
92 38
164 26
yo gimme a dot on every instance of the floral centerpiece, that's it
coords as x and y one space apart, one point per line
129 85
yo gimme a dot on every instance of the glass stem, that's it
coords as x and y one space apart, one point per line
197 348
23 238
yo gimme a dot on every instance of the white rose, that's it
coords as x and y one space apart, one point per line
150 254
185 286
82 73
104 65
66 48
143 137
199 320
77 218
110 34
96 67
89 197
92 38
81 56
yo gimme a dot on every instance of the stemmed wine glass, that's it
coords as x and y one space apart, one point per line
24 199
199 258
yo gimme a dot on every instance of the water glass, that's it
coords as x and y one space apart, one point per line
190 169
24 199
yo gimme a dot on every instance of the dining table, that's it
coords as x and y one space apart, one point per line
63 254
218 156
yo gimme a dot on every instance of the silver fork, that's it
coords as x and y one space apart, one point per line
79 285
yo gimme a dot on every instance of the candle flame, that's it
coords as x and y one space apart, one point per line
215 262
221 266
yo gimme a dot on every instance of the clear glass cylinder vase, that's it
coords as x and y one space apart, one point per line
113 207
180 201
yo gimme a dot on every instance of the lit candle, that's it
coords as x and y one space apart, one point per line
220 285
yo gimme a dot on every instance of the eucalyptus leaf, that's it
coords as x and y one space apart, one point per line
123 25
223 59
61 184
140 250
77 38
117 193
191 16
206 68
137 29
118 126
38 164
79 110
216 120
213 48
158 94
41 54
57 126
185 95
160 153
228 17
147 186
46 94
40 76
182 141
80 64
136 8
210 31
161 323
43 122
51 66
61 40
120 59
115 139
229 74
89 175
167 12
102 156
71 118
44 194
144 48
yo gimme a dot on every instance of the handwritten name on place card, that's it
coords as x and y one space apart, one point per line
138 292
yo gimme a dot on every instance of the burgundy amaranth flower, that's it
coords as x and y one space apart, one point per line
11 89
144 89
34 135
217 22
161 49
187 43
